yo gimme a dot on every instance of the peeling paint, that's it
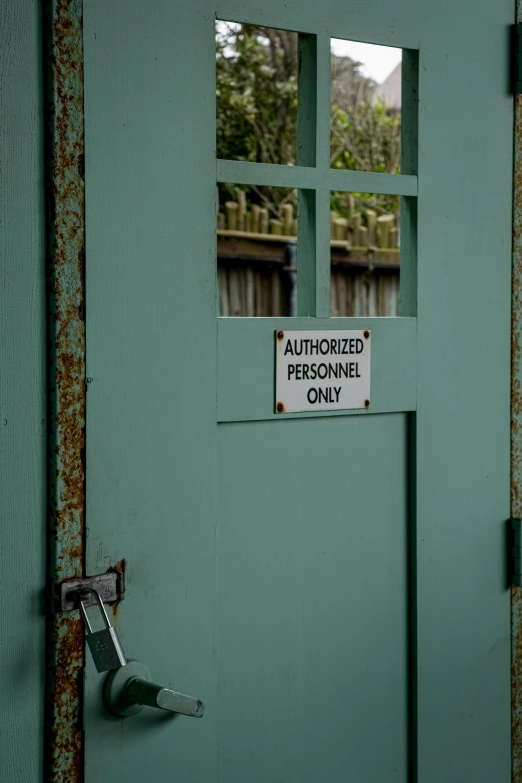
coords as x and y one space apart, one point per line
66 334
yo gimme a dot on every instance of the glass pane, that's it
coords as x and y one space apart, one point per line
366 101
365 254
256 251
256 93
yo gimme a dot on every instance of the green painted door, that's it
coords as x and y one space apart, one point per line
332 586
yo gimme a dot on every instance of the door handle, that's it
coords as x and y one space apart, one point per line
128 689
140 691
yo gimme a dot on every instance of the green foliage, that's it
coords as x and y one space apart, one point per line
256 72
366 138
256 94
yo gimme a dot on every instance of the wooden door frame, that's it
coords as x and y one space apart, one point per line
63 53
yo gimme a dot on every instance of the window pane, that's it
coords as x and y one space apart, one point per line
365 254
256 251
256 93
366 101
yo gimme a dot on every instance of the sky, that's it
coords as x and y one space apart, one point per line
377 61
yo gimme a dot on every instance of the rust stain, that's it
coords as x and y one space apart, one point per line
66 216
280 408
516 437
119 568
280 334
66 758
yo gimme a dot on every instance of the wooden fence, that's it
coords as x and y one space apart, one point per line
258 266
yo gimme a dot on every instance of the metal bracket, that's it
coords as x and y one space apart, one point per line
517 58
515 552
110 586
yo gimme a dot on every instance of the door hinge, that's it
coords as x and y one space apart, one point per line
515 552
516 57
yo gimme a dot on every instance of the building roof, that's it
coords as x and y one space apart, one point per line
389 92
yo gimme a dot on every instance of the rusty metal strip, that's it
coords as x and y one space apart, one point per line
63 51
516 435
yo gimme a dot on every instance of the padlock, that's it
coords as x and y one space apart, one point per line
104 645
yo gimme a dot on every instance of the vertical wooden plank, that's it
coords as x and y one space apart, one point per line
462 623
224 309
322 253
408 257
357 295
313 148
234 292
307 100
23 405
334 303
409 165
349 295
249 292
410 111
288 219
391 308
374 296
323 103
341 293
382 285
306 221
263 220
306 156
266 288
232 210
241 215
258 294
322 207
276 293
151 304
242 290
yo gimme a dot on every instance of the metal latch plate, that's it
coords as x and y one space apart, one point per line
110 586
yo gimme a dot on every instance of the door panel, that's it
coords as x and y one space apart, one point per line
198 507
245 366
152 361
312 600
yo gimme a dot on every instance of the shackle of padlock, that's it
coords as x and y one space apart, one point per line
104 645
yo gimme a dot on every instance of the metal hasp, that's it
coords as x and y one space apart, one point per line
109 586
516 552
517 59
126 691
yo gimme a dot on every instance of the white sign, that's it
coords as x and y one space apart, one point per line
322 370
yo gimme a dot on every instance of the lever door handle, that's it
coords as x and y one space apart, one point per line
140 691
130 688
